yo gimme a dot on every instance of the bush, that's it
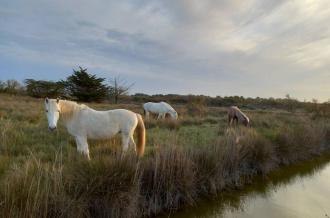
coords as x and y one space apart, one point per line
11 87
319 110
197 106
42 88
298 142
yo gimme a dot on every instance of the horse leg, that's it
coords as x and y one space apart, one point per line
125 141
82 146
132 141
147 114
163 115
236 119
159 116
231 120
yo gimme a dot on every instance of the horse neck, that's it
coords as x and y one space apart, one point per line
68 110
244 117
240 114
170 111
168 107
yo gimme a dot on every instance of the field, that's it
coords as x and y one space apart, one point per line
197 157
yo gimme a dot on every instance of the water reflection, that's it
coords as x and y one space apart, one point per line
301 190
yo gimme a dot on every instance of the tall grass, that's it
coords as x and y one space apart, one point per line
41 174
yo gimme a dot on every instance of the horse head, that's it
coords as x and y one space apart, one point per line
174 115
247 122
52 112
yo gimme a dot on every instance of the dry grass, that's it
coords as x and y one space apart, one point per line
42 175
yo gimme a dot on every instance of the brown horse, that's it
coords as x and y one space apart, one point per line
235 114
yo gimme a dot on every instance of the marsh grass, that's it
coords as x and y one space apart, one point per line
41 174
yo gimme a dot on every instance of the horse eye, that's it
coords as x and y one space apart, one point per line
46 111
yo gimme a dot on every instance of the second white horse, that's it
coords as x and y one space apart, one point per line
160 108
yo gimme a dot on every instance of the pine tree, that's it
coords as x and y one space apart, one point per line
86 87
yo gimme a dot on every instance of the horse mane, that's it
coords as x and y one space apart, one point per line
244 116
69 108
168 106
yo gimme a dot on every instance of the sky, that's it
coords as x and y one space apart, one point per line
265 48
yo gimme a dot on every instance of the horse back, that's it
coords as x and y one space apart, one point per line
232 111
107 123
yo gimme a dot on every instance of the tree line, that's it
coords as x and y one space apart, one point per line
84 86
80 86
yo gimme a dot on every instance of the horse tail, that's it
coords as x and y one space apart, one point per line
141 136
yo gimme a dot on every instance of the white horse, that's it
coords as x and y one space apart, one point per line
85 123
161 108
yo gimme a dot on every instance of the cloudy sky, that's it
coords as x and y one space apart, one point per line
215 47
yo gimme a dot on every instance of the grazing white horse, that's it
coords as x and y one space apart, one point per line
161 108
85 123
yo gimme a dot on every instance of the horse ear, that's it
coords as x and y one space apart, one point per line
57 100
46 100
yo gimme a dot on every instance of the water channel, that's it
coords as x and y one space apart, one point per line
301 190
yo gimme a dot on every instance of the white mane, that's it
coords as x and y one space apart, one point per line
69 108
168 106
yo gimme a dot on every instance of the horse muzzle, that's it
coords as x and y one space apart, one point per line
52 128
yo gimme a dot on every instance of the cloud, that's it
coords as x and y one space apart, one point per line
253 48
